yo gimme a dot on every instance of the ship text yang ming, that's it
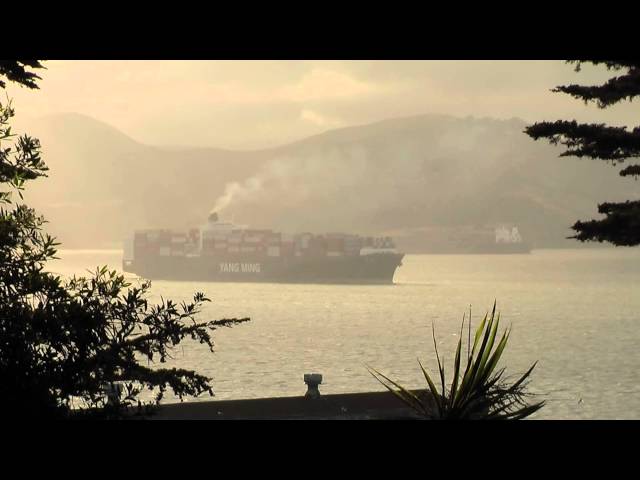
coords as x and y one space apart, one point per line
238 267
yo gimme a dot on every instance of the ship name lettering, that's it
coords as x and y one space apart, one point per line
240 267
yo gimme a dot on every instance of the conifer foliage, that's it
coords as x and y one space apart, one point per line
616 145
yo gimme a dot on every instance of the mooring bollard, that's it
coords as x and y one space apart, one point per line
312 380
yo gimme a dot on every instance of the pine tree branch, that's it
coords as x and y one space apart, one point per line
631 170
613 91
621 226
597 141
16 71
610 64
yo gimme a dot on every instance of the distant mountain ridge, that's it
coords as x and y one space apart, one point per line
396 175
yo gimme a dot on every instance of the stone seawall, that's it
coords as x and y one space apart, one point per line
348 406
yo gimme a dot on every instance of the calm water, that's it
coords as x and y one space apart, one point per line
576 311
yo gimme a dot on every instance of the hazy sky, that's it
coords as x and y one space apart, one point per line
256 104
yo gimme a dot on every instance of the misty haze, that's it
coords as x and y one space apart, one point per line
409 177
345 208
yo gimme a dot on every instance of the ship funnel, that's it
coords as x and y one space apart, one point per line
213 217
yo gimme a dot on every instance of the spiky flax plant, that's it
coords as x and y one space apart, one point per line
481 391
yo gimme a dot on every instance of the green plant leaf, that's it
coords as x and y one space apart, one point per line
402 393
456 375
493 361
481 394
434 391
440 366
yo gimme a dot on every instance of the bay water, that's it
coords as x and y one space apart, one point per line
575 311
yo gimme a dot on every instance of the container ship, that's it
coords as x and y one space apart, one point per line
225 252
502 239
506 240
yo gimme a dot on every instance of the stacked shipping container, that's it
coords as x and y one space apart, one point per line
251 243
165 243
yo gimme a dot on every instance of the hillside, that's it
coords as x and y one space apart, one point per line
398 176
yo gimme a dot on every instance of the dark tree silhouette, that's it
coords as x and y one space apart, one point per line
621 225
18 71
63 341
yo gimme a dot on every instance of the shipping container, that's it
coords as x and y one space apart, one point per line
287 249
305 238
335 244
253 238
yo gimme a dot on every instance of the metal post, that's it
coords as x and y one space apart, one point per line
312 380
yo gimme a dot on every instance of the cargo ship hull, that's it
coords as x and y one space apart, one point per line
358 269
